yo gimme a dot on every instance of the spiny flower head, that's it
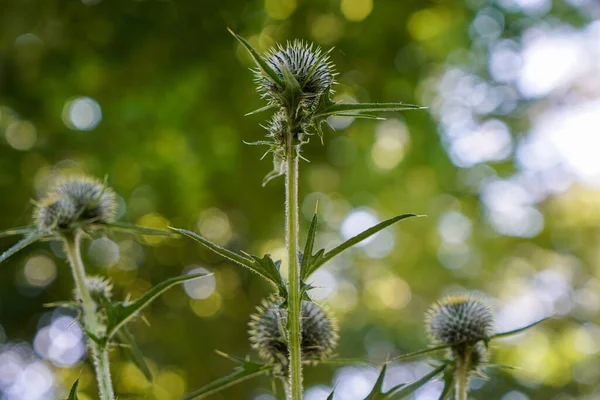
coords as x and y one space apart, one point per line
464 318
268 332
99 287
311 68
75 199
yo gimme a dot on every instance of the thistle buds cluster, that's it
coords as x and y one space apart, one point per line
75 201
268 331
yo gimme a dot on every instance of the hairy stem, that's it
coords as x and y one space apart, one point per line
294 304
462 375
90 316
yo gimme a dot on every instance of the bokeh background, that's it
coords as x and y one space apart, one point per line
153 94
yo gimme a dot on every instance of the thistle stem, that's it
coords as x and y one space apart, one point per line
462 376
294 301
90 316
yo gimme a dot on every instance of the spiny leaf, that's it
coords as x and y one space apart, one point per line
405 391
307 255
126 338
264 267
125 312
32 238
23 230
131 228
292 91
270 269
73 392
420 353
344 108
245 370
330 397
377 392
265 108
516 331
320 258
259 60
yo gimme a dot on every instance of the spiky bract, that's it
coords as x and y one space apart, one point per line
73 200
311 68
99 287
268 331
463 318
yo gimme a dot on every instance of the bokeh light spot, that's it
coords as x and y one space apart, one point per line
39 271
21 135
200 288
280 9
82 113
356 10
104 252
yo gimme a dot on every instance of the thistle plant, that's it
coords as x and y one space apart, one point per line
296 81
75 208
463 326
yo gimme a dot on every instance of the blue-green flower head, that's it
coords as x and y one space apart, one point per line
268 331
457 319
75 200
311 68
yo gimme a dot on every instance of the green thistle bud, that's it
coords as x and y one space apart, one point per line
310 67
99 287
74 200
464 318
268 331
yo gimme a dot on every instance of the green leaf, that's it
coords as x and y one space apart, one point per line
330 397
131 228
264 267
320 258
123 313
307 255
448 385
344 361
292 90
420 353
32 238
265 108
377 392
127 339
516 331
344 108
23 230
267 71
73 392
405 391
244 371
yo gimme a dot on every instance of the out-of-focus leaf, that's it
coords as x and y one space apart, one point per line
23 230
73 392
32 238
405 391
126 338
245 370
448 385
320 257
123 313
267 71
420 353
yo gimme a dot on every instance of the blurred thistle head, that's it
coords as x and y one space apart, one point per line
99 287
310 67
268 331
73 200
460 319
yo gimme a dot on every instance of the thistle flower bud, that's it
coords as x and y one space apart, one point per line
73 200
99 287
268 331
464 318
311 68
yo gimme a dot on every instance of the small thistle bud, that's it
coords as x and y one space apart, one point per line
99 287
311 68
464 318
268 334
73 200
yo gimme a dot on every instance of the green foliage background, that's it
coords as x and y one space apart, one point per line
173 87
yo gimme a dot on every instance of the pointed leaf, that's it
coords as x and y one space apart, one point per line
126 338
319 260
254 264
245 370
267 71
330 397
343 108
131 228
448 385
23 230
516 331
377 392
407 390
34 237
420 353
344 361
73 392
265 108
292 90
125 312
308 247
